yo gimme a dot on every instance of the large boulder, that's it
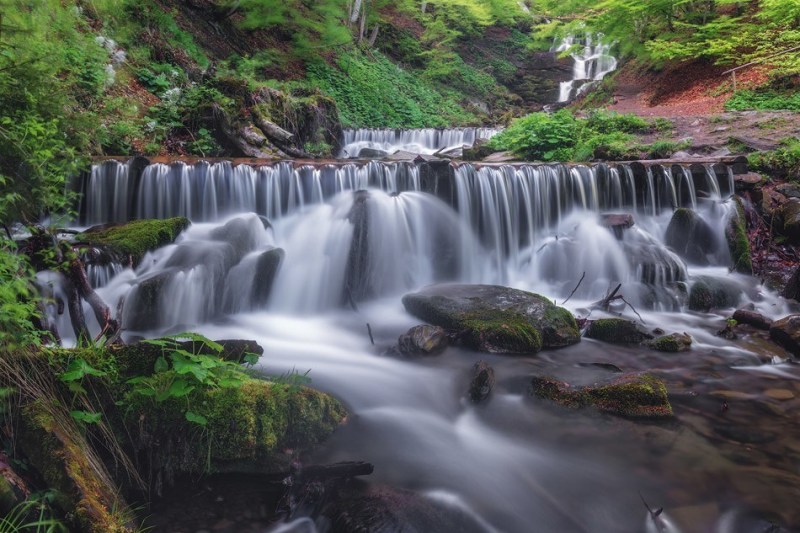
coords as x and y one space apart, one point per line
791 219
738 241
130 241
617 331
673 343
690 236
786 332
267 267
629 395
495 319
714 293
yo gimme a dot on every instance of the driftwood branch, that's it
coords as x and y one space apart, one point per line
575 289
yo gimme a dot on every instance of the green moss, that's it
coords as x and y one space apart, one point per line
136 238
558 324
631 396
248 427
671 343
503 331
738 242
616 330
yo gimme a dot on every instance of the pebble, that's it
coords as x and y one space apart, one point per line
779 394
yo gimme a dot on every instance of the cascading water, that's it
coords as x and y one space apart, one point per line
344 242
379 142
592 62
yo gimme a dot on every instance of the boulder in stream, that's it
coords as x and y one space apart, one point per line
738 241
423 340
752 318
786 332
482 382
673 343
630 395
791 219
690 236
130 241
617 331
714 293
267 267
495 319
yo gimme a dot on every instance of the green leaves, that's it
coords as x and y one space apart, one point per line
78 369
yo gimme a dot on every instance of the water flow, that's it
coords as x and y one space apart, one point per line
380 142
592 62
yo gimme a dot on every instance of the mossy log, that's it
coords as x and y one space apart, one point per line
131 240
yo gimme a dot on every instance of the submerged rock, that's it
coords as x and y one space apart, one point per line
690 236
786 332
482 382
675 342
423 340
714 293
752 318
629 395
495 319
617 331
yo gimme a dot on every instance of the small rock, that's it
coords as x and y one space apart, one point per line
675 342
482 382
790 190
792 288
786 332
779 394
617 331
423 340
747 182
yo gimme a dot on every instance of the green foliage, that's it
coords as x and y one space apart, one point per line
152 16
18 309
541 136
34 515
136 238
767 100
781 162
204 144
377 93
603 121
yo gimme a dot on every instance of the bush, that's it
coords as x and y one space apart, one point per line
783 162
763 101
603 121
541 136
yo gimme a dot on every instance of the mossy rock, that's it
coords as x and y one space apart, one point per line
690 236
738 242
629 396
791 219
617 331
673 343
57 450
134 239
709 293
495 319
248 428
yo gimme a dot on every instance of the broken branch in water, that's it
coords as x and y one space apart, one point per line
371 338
575 289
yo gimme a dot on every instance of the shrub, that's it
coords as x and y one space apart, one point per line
763 101
783 162
540 136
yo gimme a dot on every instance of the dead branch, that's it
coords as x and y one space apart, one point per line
575 289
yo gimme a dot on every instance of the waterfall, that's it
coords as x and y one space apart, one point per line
591 63
380 142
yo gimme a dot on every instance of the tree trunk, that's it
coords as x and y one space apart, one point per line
374 36
355 11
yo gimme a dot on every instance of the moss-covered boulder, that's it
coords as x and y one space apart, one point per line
738 242
617 331
495 319
133 239
690 236
630 395
248 428
709 293
673 343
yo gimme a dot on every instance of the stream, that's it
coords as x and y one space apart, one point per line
728 462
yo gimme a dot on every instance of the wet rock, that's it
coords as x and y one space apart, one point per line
480 150
371 153
772 203
738 241
501 157
141 310
747 182
791 219
423 340
617 223
130 241
267 268
790 190
792 288
241 234
752 318
495 319
673 343
690 236
779 394
617 331
629 395
387 510
713 293
786 332
482 382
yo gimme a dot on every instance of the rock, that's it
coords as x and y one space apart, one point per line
772 203
267 268
617 331
757 320
617 223
381 509
786 332
142 305
779 394
480 150
495 319
241 233
690 236
747 182
792 288
791 219
134 239
500 157
629 395
790 190
482 382
709 293
13 490
673 343
423 340
738 241
371 153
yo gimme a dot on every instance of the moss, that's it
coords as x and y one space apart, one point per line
558 324
738 242
713 293
617 331
248 428
502 331
701 297
671 343
136 238
631 396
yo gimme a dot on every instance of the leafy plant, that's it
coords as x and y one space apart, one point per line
32 516
763 101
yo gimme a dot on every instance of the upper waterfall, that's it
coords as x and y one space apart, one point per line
592 61
367 143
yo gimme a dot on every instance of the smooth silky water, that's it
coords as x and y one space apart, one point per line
517 464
